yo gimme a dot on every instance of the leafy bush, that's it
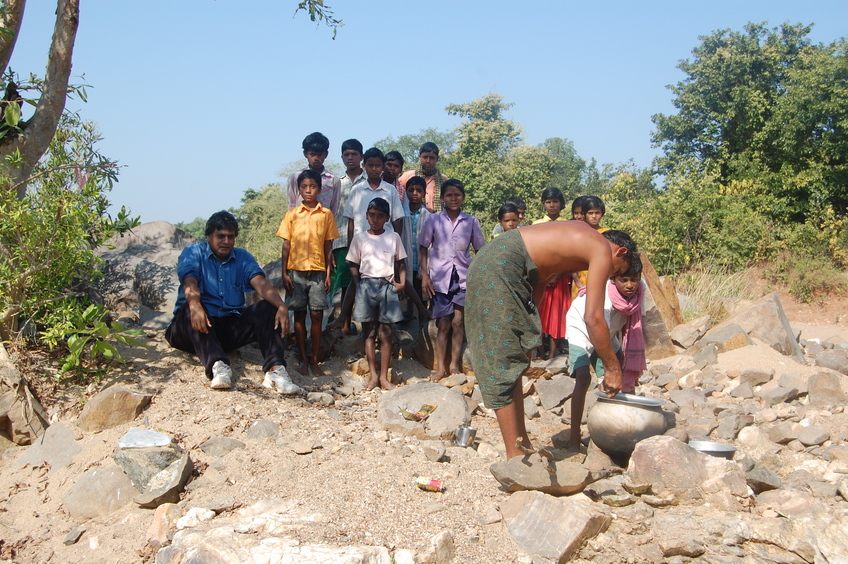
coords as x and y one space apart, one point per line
808 276
48 237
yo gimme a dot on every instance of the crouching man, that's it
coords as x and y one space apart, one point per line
210 316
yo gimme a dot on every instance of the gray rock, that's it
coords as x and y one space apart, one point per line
813 435
433 451
778 395
555 391
531 410
73 536
701 427
689 546
667 464
687 396
793 380
823 490
57 447
706 356
730 426
532 473
794 503
263 429
219 446
451 411
742 391
784 432
835 359
165 487
321 398
765 320
141 267
825 389
761 479
112 407
555 365
686 334
727 337
141 464
756 377
549 528
813 347
100 491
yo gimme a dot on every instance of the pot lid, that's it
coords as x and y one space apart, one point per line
632 399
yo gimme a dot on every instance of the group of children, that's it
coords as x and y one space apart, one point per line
375 234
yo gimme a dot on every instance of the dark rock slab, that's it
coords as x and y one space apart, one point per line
165 487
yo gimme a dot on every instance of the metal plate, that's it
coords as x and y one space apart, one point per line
632 399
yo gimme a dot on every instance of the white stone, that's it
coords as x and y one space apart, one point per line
194 517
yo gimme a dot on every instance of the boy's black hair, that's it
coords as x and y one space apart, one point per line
429 147
517 202
311 175
395 156
372 153
635 266
352 145
577 204
553 194
380 205
221 220
505 209
317 142
416 181
624 241
593 203
451 182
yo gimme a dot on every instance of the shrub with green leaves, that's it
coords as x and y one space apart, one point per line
48 237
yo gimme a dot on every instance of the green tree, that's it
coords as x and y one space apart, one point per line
48 237
196 227
408 145
259 216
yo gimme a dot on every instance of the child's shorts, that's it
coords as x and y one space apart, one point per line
443 304
340 277
377 300
578 357
309 291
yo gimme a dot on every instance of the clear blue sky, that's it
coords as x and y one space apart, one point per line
201 99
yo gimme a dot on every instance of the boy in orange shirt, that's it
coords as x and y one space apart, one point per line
308 231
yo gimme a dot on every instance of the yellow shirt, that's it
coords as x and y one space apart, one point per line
307 230
547 219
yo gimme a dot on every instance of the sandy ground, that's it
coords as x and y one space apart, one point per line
361 484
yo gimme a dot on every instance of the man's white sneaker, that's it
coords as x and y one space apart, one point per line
279 379
222 376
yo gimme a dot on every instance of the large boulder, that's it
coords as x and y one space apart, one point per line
765 320
141 268
451 410
57 447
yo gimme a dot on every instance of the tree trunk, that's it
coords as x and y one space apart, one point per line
10 20
39 130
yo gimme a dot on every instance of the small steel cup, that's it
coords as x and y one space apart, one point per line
465 436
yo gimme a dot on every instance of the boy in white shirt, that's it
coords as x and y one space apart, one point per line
376 259
623 310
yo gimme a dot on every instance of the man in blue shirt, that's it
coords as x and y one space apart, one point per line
210 316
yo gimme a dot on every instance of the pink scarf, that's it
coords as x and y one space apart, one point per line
634 340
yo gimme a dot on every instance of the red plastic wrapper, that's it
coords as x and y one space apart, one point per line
430 484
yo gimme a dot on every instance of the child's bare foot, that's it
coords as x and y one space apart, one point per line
437 375
303 368
374 382
456 370
386 384
316 370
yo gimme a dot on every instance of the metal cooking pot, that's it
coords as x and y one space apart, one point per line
617 424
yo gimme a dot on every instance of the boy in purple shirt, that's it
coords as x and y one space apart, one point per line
443 258
316 148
